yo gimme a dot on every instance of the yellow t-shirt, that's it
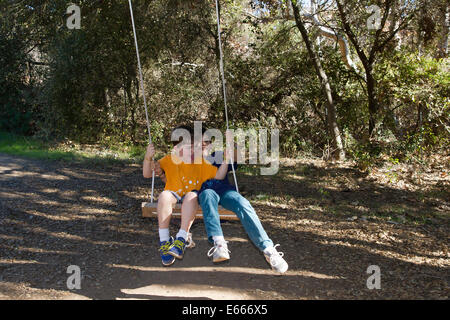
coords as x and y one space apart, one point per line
183 178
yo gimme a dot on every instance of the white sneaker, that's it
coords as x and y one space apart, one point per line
275 259
219 252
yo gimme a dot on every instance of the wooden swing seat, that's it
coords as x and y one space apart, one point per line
149 211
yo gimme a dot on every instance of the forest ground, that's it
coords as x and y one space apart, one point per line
331 220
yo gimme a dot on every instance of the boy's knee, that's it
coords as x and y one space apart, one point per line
191 195
238 199
244 206
165 196
208 195
244 202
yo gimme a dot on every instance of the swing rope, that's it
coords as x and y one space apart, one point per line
224 86
141 79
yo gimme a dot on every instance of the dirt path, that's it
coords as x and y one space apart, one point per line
53 215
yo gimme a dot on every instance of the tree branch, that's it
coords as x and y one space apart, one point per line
374 50
362 56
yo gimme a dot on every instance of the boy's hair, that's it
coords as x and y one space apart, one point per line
204 129
185 127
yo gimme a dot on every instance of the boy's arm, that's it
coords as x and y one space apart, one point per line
222 171
149 164
163 177
160 172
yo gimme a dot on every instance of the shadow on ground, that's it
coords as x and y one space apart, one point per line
53 215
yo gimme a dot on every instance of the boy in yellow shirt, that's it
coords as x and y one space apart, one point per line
183 180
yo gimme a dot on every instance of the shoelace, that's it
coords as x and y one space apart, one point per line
165 247
179 244
275 256
215 248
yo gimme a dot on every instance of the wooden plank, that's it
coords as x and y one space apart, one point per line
149 211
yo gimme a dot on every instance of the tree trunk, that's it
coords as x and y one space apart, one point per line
133 113
132 106
373 105
124 113
443 43
333 127
219 82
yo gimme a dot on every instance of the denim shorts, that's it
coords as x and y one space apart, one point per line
180 199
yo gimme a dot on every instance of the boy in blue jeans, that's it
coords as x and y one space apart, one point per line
216 192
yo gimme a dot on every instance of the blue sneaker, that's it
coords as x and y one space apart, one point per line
164 248
178 247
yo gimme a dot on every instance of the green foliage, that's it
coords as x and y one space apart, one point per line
15 108
31 148
82 85
417 92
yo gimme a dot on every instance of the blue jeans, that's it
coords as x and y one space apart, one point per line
233 201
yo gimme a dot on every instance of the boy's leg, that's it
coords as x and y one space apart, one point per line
233 201
189 209
164 209
209 201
